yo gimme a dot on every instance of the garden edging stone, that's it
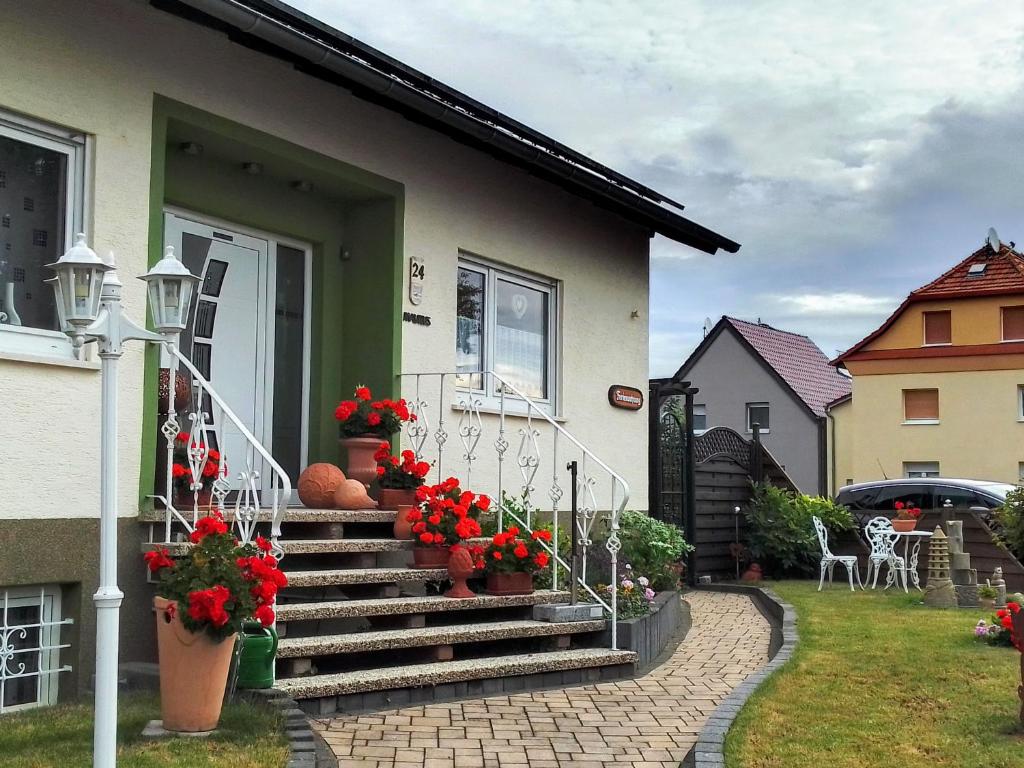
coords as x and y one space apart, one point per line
306 748
709 750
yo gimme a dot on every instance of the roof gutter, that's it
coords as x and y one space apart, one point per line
435 103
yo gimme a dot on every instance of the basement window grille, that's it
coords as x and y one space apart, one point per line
30 646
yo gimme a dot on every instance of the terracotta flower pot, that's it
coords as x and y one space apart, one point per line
181 390
361 465
430 557
193 673
393 498
501 584
403 528
904 525
460 568
183 498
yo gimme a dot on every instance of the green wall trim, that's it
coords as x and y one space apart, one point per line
356 312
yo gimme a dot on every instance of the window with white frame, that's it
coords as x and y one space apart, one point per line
920 469
30 646
506 322
41 207
700 419
1020 402
758 413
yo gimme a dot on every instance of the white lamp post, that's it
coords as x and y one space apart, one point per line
88 295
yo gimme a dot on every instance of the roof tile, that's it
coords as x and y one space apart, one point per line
799 362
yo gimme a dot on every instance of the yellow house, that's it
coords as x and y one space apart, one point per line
938 388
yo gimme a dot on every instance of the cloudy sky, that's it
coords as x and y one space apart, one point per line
856 150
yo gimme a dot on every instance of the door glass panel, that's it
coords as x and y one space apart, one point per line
194 250
289 338
520 339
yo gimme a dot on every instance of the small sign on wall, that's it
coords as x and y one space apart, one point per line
417 273
621 396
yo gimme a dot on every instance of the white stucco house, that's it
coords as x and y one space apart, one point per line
353 221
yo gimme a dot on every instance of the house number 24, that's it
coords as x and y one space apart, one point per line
417 272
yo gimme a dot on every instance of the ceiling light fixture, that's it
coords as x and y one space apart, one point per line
253 169
191 148
301 185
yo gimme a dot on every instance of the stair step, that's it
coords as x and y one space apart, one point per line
438 673
396 606
360 642
311 546
363 576
295 515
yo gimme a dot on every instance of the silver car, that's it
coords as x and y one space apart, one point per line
880 496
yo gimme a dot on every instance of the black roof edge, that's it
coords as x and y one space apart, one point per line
276 29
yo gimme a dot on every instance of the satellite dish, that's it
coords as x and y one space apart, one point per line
707 325
993 240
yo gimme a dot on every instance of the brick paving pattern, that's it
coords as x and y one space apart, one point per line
646 722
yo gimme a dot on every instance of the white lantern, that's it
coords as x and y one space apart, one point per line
78 285
170 292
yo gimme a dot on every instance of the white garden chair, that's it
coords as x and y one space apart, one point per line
882 541
828 560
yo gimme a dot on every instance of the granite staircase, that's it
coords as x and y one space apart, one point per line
361 629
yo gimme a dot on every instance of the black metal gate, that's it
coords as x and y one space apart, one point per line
670 501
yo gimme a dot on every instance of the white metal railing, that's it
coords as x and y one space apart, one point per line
260 484
30 647
515 420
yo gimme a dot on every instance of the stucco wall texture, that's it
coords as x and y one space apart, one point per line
979 434
729 378
95 66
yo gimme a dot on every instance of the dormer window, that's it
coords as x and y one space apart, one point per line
1013 323
937 328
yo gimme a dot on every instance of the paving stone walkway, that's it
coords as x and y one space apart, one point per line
646 722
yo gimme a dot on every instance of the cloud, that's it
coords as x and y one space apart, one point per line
856 150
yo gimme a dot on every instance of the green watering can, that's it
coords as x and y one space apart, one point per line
256 662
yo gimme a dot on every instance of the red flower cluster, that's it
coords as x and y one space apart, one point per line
266 579
217 584
157 559
446 514
404 474
365 416
508 552
1005 615
906 512
181 471
208 605
211 524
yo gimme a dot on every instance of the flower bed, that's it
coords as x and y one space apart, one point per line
648 635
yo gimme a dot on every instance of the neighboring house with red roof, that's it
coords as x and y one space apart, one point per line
751 373
938 388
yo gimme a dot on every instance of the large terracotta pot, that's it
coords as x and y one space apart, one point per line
184 499
181 390
430 557
460 568
501 584
403 528
393 498
903 526
361 465
193 673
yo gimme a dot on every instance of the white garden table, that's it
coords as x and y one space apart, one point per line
910 555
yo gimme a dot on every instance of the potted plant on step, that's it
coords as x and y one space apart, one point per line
445 515
202 600
185 495
511 560
398 478
363 423
906 517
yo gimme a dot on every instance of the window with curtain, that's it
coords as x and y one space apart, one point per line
505 322
937 328
921 405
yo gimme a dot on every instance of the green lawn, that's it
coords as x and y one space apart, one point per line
880 680
61 737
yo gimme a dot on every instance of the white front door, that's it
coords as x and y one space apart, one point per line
248 335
